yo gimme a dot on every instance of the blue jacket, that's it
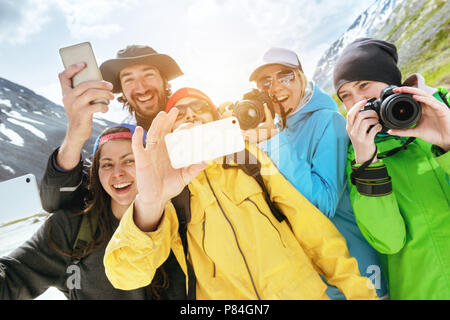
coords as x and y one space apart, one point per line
311 152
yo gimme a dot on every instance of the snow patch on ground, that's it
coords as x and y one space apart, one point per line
6 102
12 136
29 127
18 116
7 168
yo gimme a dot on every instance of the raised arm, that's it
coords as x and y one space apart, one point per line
80 113
157 181
62 185
146 233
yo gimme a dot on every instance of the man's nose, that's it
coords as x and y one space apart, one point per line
190 114
140 86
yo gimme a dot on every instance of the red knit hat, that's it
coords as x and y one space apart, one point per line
190 92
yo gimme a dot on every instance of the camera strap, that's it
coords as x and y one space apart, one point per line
371 181
283 113
395 150
358 171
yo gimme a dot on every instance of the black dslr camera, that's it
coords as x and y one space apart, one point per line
250 110
395 110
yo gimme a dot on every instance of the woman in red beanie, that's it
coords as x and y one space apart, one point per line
193 105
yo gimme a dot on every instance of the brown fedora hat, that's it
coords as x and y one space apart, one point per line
136 54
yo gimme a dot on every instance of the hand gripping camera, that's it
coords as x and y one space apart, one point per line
395 110
250 110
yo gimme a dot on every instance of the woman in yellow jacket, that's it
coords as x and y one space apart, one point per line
237 248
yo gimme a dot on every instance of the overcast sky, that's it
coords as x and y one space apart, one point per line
215 42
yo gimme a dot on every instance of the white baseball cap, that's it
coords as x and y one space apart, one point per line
281 56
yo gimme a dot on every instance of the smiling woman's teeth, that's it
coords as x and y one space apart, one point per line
121 185
282 98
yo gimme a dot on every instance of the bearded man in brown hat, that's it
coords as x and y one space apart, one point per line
142 75
139 72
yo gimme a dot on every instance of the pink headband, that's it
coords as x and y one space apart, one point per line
116 135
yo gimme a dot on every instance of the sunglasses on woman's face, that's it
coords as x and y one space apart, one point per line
284 77
198 107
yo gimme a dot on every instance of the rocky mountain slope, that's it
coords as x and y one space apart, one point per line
420 30
31 127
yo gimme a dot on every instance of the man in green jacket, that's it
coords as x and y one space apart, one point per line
400 186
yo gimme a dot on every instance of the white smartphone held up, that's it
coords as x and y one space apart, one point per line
82 52
19 198
204 142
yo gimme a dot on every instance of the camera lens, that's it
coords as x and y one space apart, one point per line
400 111
248 113
252 113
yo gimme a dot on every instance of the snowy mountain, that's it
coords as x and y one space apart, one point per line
418 28
366 25
31 127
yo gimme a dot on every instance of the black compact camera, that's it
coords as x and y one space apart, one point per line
395 110
250 110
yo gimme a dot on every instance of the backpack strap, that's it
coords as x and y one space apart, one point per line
85 235
252 167
182 204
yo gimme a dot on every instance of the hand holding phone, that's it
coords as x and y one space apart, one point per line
204 142
82 53
84 94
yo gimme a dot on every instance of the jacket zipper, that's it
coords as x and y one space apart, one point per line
235 237
279 234
203 245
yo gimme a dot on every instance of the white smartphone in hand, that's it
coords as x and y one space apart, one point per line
82 52
204 142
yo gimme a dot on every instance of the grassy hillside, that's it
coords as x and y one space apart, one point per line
420 30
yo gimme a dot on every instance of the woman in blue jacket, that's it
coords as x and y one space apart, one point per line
311 151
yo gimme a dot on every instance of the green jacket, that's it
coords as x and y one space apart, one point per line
411 225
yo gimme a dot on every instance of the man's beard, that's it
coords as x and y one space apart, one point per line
145 119
162 101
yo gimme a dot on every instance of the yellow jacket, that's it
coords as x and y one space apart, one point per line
237 248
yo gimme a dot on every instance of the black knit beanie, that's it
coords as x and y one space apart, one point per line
367 59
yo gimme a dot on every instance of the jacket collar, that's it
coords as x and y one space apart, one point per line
416 80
